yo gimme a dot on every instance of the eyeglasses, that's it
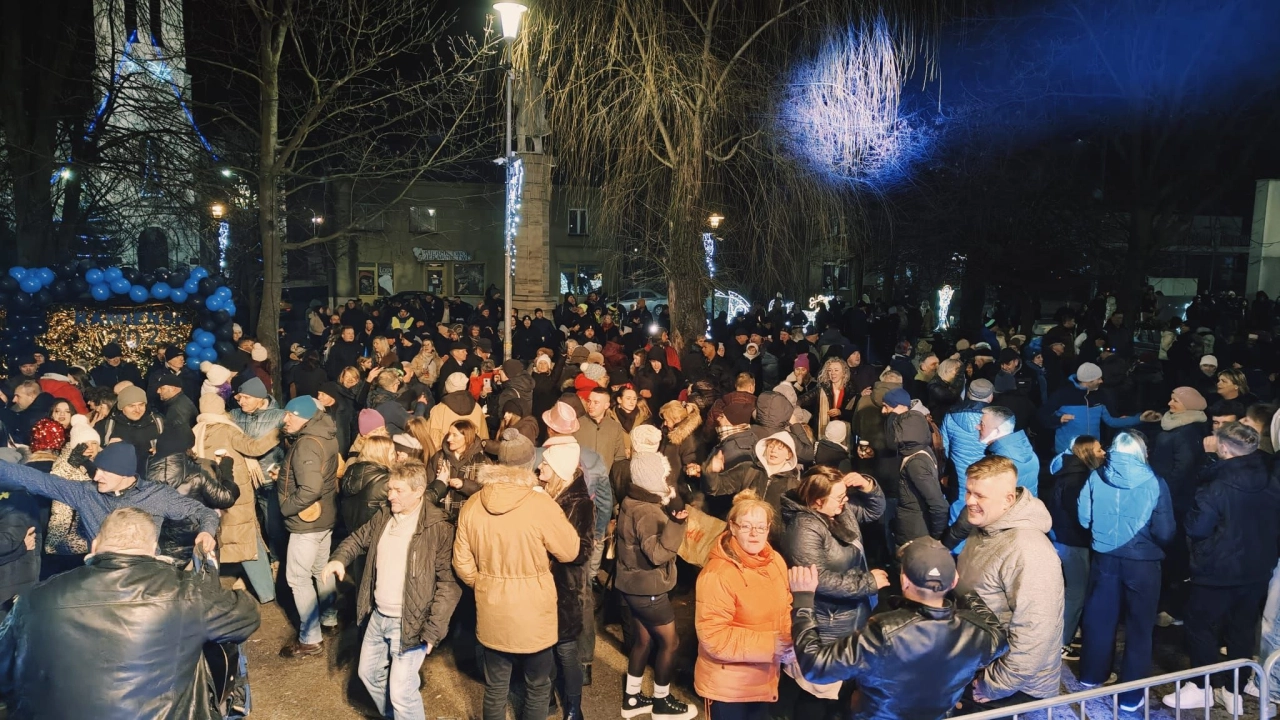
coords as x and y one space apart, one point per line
753 529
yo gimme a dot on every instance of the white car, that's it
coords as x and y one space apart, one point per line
652 298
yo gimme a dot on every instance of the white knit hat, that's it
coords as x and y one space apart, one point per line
456 382
563 459
82 432
216 374
645 439
259 353
837 432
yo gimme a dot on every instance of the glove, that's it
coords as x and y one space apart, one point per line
226 474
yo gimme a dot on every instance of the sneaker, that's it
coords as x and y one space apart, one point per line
1230 700
1251 687
669 708
1111 680
1134 706
1070 653
638 704
1189 697
1164 619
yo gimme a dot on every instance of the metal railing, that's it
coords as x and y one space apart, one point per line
1074 704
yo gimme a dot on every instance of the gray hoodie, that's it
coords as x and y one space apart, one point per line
1013 567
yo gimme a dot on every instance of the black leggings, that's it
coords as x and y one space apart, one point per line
665 659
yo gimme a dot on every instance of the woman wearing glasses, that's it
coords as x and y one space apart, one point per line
743 618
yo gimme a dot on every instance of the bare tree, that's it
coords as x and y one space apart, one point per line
371 91
669 108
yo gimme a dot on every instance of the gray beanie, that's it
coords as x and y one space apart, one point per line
649 472
981 390
515 450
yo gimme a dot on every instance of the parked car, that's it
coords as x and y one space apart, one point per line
652 298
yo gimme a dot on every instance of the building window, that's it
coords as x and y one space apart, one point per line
422 219
130 18
580 280
155 16
468 279
368 217
577 221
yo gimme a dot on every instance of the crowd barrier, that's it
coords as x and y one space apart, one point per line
1104 702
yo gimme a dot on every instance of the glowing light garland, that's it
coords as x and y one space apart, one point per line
515 193
842 111
944 306
709 247
224 242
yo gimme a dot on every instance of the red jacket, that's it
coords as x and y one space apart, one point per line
64 390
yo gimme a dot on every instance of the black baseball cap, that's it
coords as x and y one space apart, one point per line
928 564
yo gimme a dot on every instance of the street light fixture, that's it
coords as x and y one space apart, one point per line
217 210
715 220
511 13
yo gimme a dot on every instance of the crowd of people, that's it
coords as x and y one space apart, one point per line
883 522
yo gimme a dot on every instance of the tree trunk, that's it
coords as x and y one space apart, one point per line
687 280
268 330
1142 242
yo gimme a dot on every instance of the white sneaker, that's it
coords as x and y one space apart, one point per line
1136 706
1189 697
1230 700
1251 687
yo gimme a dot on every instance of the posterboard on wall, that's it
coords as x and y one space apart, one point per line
386 279
367 280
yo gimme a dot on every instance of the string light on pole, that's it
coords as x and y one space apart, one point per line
944 307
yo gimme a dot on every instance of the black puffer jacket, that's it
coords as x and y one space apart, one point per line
142 433
571 577
431 590
648 540
911 663
364 493
922 509
1062 498
149 616
520 389
835 546
214 486
1232 523
1177 455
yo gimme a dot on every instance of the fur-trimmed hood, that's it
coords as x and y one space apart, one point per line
686 427
506 475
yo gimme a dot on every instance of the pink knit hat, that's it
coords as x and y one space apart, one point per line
369 420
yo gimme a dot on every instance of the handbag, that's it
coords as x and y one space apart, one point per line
228 668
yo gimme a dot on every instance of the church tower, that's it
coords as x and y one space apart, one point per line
145 148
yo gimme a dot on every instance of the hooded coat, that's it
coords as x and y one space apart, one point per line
571 577
453 407
648 539
835 546
773 414
1127 509
507 534
743 609
308 475
1232 523
769 483
1177 454
922 508
1017 447
1014 568
1062 498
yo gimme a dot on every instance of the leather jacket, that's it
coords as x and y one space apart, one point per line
912 662
149 617
213 488
364 493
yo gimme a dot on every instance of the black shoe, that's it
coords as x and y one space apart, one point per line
633 705
573 711
1070 652
669 708
586 675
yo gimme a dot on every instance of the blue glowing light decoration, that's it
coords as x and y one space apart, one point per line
515 194
224 241
842 111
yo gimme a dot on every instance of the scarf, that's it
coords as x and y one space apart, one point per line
1173 420
726 431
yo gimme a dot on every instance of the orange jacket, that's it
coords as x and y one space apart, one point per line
744 608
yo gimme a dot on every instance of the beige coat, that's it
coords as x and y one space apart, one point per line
238 534
443 415
505 532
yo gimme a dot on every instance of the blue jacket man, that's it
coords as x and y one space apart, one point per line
960 437
996 431
1072 411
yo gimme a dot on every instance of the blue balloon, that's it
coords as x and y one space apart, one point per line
160 291
100 291
206 340
199 273
120 286
112 274
30 284
193 363
209 354
191 286
46 276
223 291
178 295
192 348
213 302
230 307
137 293
17 273
93 276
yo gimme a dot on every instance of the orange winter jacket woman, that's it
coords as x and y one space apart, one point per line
744 608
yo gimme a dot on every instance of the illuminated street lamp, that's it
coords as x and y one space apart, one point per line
217 210
511 13
715 220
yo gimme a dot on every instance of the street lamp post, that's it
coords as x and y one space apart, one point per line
511 13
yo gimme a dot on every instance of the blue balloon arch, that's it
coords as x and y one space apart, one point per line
26 294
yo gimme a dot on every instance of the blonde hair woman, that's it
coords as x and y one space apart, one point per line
836 397
364 486
384 355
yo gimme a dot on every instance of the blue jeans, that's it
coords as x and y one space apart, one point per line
390 672
1075 581
1271 630
259 573
1119 585
308 553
